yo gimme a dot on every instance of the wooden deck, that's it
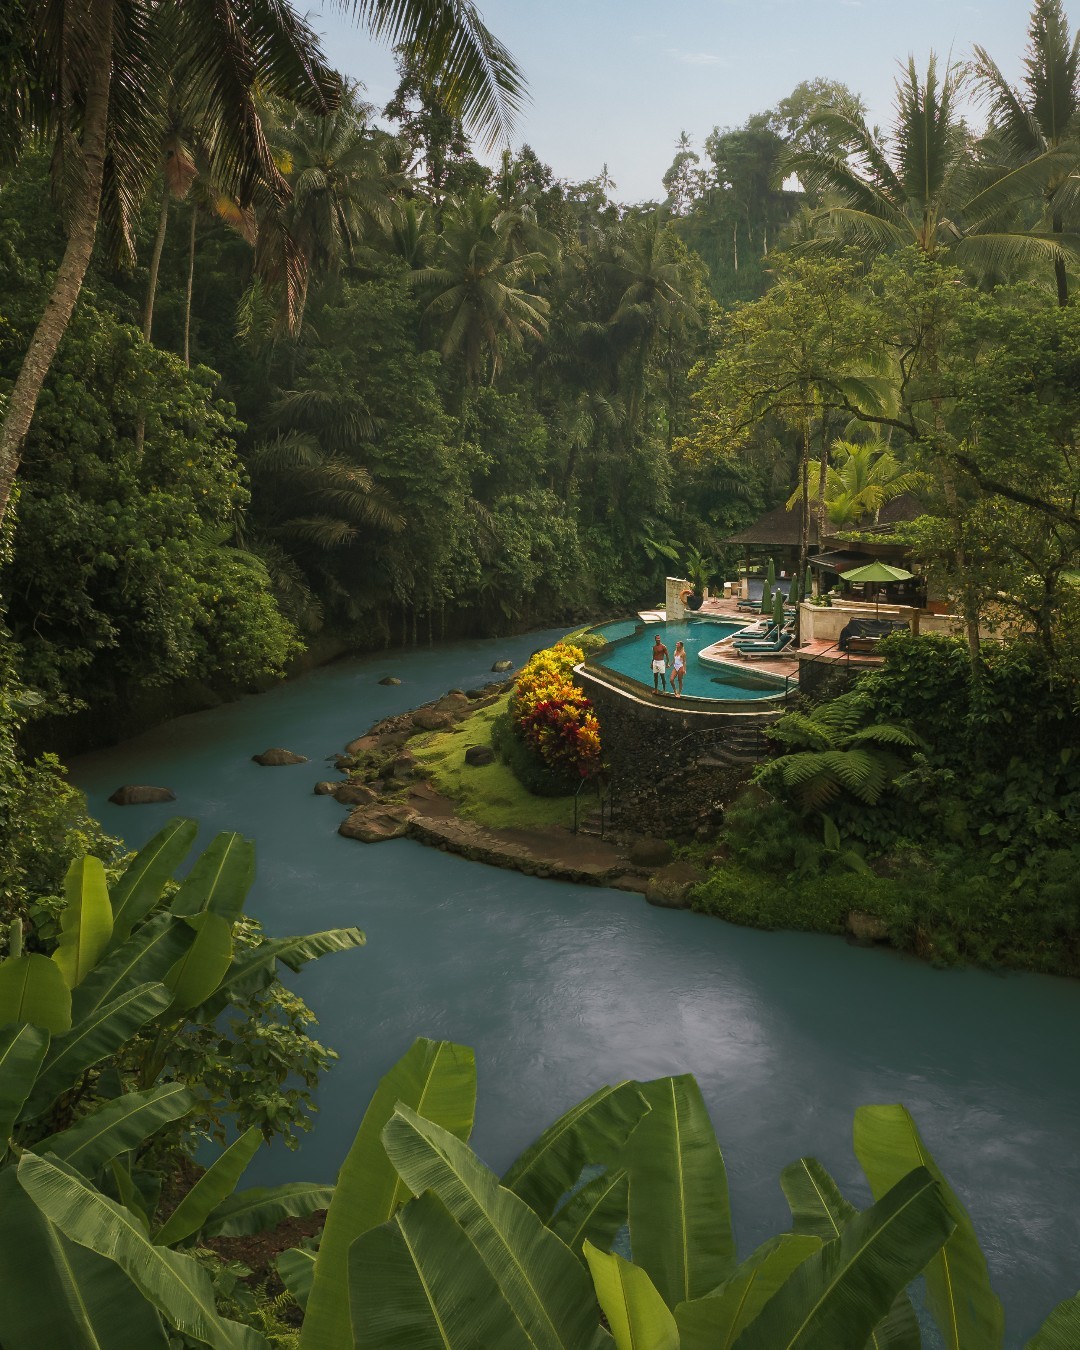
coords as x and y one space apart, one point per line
785 663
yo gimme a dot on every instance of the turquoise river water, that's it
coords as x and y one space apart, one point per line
561 988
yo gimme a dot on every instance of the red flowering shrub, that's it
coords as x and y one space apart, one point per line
552 717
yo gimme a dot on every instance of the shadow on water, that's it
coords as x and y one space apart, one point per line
561 988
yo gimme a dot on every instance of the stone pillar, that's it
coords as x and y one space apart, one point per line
674 606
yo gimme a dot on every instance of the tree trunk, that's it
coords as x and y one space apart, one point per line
82 229
190 285
155 263
823 476
1060 274
804 533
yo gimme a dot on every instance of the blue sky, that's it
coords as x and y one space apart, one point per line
615 81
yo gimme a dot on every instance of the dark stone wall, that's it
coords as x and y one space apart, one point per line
673 763
826 679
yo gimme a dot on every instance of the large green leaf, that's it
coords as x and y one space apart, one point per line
144 878
218 1181
592 1132
263 1207
680 1217
148 955
32 989
958 1292
716 1321
90 1040
839 1294
219 881
1061 1330
22 1048
537 1273
91 1304
419 1283
255 967
296 1268
596 1212
173 1283
638 1317
437 1079
199 971
118 1126
818 1208
87 921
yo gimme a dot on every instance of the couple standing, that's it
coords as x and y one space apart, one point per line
659 667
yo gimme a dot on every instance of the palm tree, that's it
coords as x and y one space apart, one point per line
479 282
92 82
861 479
1045 115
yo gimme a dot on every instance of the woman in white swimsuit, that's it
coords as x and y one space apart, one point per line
678 669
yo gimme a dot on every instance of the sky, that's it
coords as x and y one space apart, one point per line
615 81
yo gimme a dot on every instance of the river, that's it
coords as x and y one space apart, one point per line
561 988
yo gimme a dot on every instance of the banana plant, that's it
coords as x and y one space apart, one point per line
83 1036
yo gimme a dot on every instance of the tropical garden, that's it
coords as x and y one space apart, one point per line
284 375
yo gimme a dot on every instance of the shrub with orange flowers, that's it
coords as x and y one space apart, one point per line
555 719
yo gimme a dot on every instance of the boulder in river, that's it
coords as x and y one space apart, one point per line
479 754
373 824
354 794
327 788
139 795
500 666
275 756
389 679
670 887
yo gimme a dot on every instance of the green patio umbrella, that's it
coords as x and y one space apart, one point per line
778 609
878 571
771 574
766 598
793 591
808 582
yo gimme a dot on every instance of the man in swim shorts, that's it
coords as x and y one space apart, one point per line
659 665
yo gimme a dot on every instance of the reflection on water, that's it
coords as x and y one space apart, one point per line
560 988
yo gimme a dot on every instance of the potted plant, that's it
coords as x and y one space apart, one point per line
699 573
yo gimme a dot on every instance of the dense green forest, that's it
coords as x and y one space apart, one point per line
285 374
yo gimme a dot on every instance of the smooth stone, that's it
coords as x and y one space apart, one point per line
275 757
430 719
650 852
670 887
499 666
373 824
456 704
403 765
389 679
326 788
867 927
354 794
473 694
139 795
479 754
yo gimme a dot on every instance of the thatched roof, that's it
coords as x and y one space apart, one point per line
776 527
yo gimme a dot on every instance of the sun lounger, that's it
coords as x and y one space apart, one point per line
751 639
766 648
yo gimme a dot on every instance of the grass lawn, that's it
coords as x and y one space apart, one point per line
489 793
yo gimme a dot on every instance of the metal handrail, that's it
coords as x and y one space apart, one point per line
605 804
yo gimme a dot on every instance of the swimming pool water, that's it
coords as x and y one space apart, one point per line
632 655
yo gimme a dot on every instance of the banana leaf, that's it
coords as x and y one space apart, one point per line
86 923
716 1321
536 1272
296 1269
175 1284
839 1294
91 1040
91 1303
144 878
218 1181
148 955
596 1213
199 971
958 1292
592 1132
1061 1330
438 1079
680 1216
118 1126
263 1207
418 1283
635 1312
219 881
32 989
22 1048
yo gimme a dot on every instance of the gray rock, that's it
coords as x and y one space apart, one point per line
275 757
139 795
354 794
344 763
326 788
670 887
500 666
650 852
455 703
389 679
867 927
479 754
373 824
430 719
473 694
404 765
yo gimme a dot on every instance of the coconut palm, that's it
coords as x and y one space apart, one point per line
479 282
1044 115
860 480
91 80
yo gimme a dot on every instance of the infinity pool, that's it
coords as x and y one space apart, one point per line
630 653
